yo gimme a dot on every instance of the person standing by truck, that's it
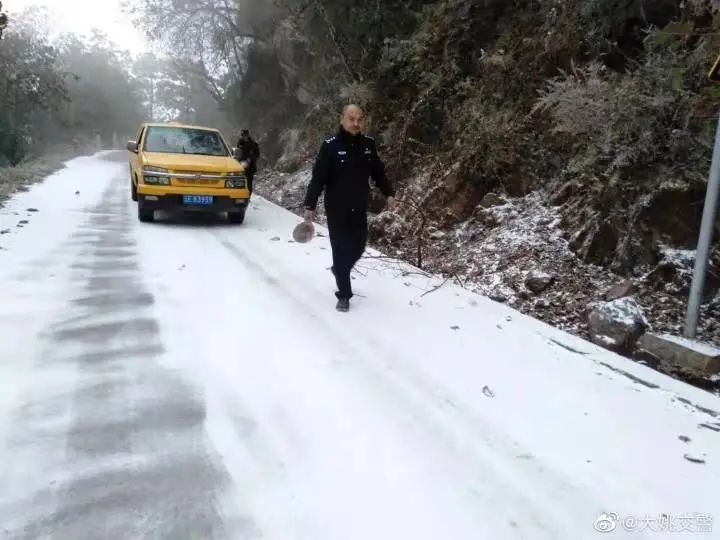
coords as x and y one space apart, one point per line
248 151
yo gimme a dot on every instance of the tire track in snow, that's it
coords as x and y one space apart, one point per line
135 461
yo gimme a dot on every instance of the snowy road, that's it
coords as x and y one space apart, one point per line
192 379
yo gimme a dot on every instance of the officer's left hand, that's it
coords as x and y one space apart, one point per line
391 203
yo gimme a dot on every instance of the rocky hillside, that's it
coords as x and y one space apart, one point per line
514 250
550 155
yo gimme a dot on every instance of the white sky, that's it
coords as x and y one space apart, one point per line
81 16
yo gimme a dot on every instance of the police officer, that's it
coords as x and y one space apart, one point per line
342 168
248 151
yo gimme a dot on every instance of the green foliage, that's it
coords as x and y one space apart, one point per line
674 34
632 121
12 144
66 89
103 99
3 21
177 89
30 85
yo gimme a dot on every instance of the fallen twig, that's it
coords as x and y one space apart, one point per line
380 257
436 287
355 269
460 281
416 273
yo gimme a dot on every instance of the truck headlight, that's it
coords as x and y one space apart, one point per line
235 180
149 178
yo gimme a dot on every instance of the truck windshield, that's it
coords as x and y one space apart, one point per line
174 140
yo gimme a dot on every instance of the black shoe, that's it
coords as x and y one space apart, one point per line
343 304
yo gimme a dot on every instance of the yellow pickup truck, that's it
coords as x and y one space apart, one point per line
186 168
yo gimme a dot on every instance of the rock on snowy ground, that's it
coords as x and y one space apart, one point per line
617 325
537 281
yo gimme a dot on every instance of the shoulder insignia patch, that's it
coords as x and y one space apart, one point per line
331 139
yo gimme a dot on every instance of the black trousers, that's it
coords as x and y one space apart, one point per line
250 176
348 238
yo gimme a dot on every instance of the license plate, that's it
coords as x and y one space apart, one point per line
197 200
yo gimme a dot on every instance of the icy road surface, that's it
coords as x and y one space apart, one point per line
192 380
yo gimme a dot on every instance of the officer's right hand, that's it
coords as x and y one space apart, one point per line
309 216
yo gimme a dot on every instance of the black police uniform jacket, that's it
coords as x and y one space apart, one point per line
250 151
343 167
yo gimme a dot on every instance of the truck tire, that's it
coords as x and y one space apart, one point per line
236 217
133 190
146 215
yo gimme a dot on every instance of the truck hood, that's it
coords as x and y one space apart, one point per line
192 163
